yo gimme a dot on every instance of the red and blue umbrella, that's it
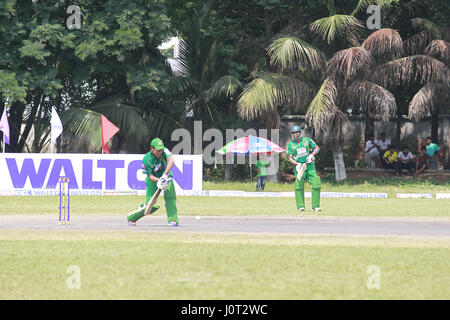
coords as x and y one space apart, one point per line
250 145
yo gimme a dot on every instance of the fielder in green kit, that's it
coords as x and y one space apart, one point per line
298 151
157 165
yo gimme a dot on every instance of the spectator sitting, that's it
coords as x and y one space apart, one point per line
390 159
383 144
406 161
422 161
371 152
433 152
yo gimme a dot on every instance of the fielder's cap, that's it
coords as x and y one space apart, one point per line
157 144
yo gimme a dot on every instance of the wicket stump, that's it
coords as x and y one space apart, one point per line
64 200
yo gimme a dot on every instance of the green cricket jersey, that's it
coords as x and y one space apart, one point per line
154 166
300 150
261 168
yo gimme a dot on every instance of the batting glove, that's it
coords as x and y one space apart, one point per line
163 182
310 159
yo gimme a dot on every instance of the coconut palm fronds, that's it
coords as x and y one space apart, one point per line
371 98
439 49
225 86
294 53
324 109
269 90
419 68
363 4
417 43
349 62
338 26
427 99
384 42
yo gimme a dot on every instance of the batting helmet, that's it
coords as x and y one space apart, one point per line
296 129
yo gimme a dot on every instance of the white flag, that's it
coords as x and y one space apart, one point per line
57 127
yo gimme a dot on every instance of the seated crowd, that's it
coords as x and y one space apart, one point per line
381 153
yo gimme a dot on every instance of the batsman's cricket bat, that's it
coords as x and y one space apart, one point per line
301 171
152 202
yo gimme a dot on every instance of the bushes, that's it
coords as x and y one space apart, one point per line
285 166
241 172
352 150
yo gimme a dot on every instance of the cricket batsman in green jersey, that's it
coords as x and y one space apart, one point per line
298 151
157 165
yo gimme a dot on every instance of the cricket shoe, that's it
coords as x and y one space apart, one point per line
172 224
131 223
301 209
317 209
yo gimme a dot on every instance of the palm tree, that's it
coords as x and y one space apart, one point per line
301 66
306 78
433 97
418 67
199 86
203 88
384 45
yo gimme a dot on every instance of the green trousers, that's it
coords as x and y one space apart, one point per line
169 198
313 179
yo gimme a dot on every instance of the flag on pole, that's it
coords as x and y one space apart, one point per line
108 131
57 126
4 126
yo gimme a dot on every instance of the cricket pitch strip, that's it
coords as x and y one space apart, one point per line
439 227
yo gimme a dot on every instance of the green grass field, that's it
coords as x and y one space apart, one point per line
129 265
216 206
166 265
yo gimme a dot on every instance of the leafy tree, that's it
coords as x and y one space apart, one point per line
111 65
127 73
34 43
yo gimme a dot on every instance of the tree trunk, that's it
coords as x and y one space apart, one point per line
370 127
398 131
228 171
339 166
277 176
37 125
132 99
15 123
435 127
268 33
29 124
338 155
273 120
119 142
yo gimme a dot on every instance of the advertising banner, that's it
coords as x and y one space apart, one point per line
38 173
